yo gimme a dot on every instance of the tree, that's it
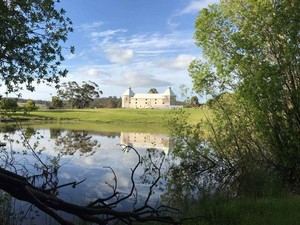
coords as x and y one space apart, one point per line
107 102
185 94
251 49
30 42
79 96
195 101
153 91
56 102
9 105
88 91
30 106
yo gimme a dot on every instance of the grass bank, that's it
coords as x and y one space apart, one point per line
100 127
143 116
245 211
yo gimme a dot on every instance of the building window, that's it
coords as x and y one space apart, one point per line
145 102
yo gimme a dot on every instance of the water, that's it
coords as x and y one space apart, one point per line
96 158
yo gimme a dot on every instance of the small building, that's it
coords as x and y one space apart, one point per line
156 101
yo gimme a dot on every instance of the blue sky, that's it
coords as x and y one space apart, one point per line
137 43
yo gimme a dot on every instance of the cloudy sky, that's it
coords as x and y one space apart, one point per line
130 43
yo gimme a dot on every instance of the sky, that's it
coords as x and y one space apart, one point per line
140 44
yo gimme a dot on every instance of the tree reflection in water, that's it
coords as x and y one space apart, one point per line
70 141
42 166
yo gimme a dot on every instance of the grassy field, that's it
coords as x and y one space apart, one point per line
142 116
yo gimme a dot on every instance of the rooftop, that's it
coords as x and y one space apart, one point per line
168 92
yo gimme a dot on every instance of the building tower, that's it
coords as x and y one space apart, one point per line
126 103
170 97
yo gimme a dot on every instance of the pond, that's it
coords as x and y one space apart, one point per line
99 161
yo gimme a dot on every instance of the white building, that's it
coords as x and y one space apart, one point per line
142 100
146 140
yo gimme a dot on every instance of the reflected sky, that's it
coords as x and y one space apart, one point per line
100 151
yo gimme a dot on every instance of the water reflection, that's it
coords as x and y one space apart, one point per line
82 155
146 140
68 142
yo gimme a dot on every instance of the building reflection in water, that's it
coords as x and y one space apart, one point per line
146 140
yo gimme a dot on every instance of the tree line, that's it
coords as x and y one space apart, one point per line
88 95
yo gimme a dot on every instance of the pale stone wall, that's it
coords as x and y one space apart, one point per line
164 100
146 140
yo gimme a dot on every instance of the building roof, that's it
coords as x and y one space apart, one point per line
168 92
129 92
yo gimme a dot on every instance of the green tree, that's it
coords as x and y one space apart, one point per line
67 92
30 43
88 91
9 104
251 49
79 96
30 106
56 102
153 91
185 94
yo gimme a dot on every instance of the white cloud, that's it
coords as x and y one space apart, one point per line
137 79
156 41
146 46
93 71
180 62
90 26
195 6
116 54
172 25
106 33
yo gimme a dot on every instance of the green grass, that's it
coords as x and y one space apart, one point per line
142 116
101 127
245 211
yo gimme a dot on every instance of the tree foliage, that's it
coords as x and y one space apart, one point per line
9 105
78 96
30 43
30 106
153 91
106 102
251 49
56 102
